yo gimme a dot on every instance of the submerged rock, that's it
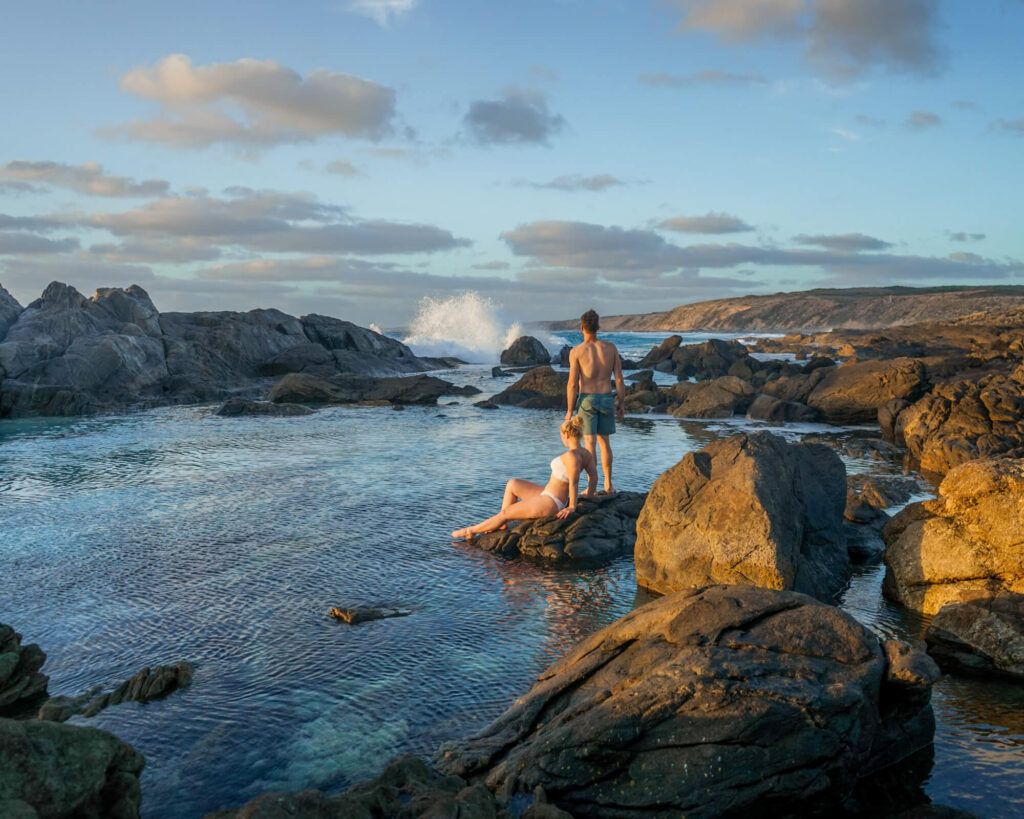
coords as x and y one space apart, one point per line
984 635
602 527
540 388
749 509
966 543
66 772
365 614
708 702
243 406
299 388
145 686
525 351
21 683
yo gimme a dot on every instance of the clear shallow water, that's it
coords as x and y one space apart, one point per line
174 534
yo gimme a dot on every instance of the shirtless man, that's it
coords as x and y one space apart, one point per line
591 366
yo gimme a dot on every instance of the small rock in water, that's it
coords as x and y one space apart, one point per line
145 686
364 614
486 405
242 406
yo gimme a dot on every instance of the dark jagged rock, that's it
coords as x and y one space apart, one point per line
749 509
525 351
364 614
21 683
718 398
602 527
563 356
984 635
66 772
540 388
817 362
10 309
407 789
727 700
771 409
710 359
795 388
852 393
487 405
298 388
964 544
145 686
243 406
465 389
643 375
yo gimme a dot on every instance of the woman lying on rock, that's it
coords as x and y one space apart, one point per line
525 500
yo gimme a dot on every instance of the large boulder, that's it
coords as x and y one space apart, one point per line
21 683
718 398
723 701
525 351
749 509
963 420
984 635
853 392
299 388
966 543
407 788
55 771
9 311
709 359
540 388
774 411
602 527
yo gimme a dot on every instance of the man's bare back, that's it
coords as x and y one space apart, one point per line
596 362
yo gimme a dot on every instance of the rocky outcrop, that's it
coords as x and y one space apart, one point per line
66 772
407 788
750 509
235 407
298 388
540 388
852 393
66 354
602 527
984 635
718 398
709 359
525 351
709 702
9 311
960 421
21 683
969 542
145 686
774 411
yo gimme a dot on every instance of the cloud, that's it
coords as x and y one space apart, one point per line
253 103
12 243
843 242
708 223
1011 126
961 236
710 76
491 266
36 224
576 182
153 251
85 178
840 38
382 11
851 136
965 105
922 120
518 117
343 167
872 122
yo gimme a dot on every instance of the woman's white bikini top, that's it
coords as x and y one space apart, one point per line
558 471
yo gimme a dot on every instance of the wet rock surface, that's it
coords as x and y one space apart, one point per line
539 388
984 636
21 682
969 542
602 527
525 351
354 615
145 686
749 509
298 388
243 406
708 702
66 771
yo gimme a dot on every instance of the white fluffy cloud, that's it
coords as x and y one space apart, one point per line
253 103
516 117
383 11
708 223
85 178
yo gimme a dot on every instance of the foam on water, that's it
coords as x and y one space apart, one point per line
468 326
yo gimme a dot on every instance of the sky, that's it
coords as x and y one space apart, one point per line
351 157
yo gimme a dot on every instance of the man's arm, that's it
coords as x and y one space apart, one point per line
570 388
620 388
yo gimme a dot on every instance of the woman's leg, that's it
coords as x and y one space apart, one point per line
539 506
518 489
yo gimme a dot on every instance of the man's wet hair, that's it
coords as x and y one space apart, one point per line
589 322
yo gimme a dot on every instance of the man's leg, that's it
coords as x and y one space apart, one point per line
590 444
606 462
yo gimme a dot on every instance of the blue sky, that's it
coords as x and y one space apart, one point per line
352 157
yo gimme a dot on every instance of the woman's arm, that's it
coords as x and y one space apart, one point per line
572 467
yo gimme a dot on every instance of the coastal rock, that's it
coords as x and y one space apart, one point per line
407 789
749 509
966 543
525 351
719 398
710 359
562 360
771 409
21 682
795 388
299 388
984 635
853 392
487 405
660 354
963 420
364 614
540 388
728 700
243 406
602 527
66 772
145 686
9 311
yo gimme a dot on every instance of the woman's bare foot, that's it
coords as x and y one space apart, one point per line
459 534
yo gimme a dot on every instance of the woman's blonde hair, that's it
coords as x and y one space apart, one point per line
573 428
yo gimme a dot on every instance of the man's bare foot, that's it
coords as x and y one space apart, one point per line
606 491
459 534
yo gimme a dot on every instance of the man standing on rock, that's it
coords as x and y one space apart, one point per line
591 366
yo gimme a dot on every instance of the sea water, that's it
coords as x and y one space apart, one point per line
173 534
